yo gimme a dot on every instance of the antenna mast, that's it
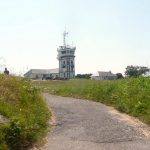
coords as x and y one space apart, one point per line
64 36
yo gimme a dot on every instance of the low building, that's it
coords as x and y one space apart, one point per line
42 74
100 75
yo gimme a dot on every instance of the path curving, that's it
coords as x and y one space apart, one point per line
87 125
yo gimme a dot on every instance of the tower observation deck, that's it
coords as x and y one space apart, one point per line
66 59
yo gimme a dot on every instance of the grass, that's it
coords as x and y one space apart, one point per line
26 111
131 95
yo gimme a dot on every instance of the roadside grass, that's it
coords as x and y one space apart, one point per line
130 95
26 112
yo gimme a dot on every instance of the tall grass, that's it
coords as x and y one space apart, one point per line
131 95
26 112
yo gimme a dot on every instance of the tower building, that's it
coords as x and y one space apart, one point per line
66 58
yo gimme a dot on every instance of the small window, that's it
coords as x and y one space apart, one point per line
36 76
72 65
63 52
63 64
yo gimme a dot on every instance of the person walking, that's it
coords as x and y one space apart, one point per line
6 71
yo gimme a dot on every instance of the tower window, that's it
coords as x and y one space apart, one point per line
72 65
68 62
63 64
71 68
63 52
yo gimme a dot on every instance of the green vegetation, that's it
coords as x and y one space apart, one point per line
130 95
26 112
119 75
136 71
83 76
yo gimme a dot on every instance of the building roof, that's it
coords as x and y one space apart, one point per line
103 74
43 71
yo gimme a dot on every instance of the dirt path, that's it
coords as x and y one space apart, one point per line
86 125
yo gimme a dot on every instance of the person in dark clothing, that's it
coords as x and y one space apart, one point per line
6 71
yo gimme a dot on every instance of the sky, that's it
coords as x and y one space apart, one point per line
109 35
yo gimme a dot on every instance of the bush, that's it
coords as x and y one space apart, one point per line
26 111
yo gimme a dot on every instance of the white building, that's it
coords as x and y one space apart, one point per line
100 75
42 74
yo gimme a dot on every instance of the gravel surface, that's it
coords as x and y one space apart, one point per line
87 125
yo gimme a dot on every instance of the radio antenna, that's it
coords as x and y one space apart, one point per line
64 37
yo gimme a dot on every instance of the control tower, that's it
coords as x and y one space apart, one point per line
66 59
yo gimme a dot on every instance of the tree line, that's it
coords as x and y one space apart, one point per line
130 71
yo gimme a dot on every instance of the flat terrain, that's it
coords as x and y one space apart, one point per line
86 125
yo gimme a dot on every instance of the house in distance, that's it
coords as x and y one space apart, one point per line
42 74
101 75
66 70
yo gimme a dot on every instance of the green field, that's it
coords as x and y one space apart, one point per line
131 95
26 113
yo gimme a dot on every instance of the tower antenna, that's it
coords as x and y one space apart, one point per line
64 37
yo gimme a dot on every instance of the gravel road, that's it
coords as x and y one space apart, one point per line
87 125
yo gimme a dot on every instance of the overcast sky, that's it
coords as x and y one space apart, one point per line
108 34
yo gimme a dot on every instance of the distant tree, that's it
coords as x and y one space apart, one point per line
135 71
84 76
119 75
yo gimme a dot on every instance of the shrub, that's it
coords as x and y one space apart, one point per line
26 111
